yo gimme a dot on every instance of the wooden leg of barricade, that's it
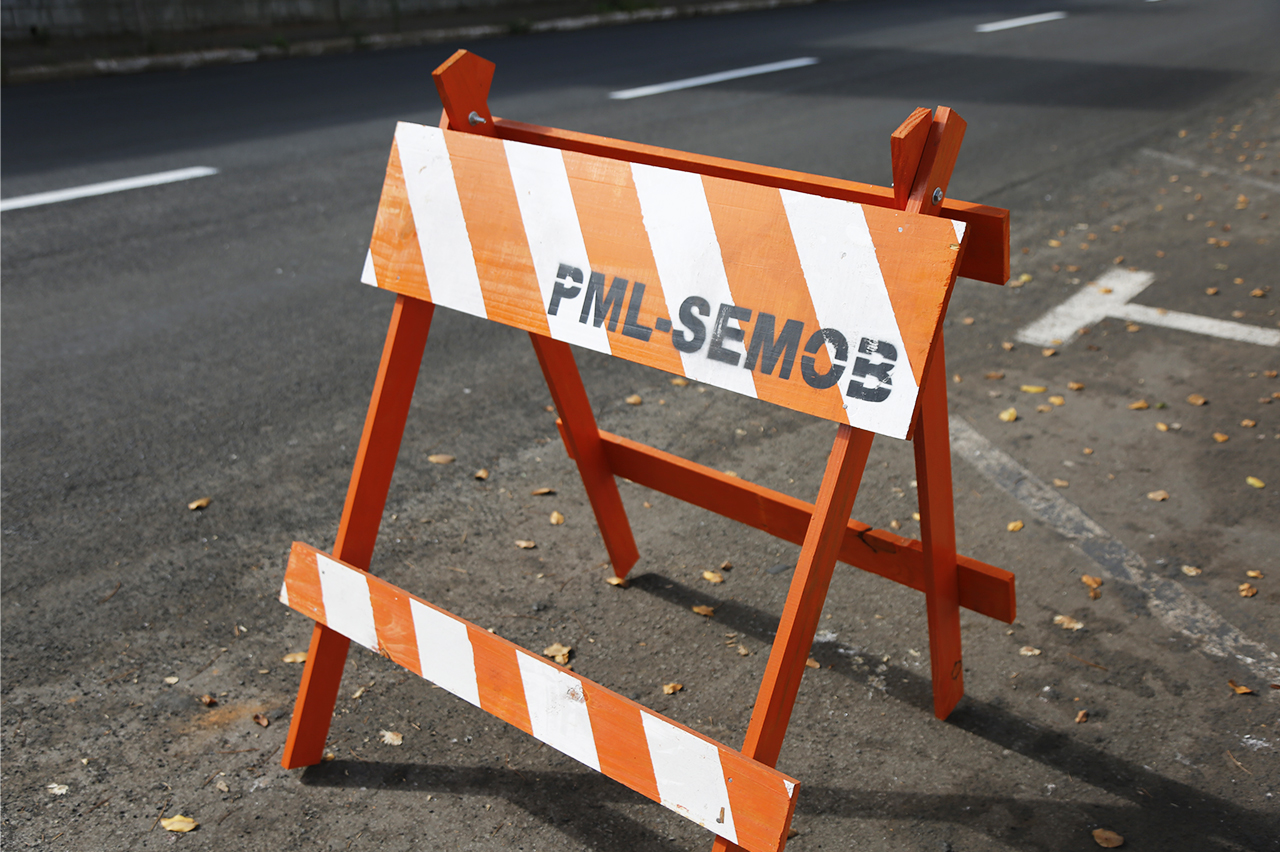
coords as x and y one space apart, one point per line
361 517
583 436
805 599
938 535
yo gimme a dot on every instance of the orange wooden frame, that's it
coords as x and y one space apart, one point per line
924 151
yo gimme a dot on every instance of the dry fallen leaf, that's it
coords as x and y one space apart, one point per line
1191 571
525 544
613 580
391 738
1009 415
1140 405
1014 526
295 657
1088 451
1007 346
1044 409
556 519
1075 386
1211 291
995 376
1158 496
726 565
1258 293
1034 388
171 680
208 700
557 652
1048 352
712 577
1253 574
1060 483
1082 717
1196 399
680 382
1091 581
1247 590
704 610
1255 482
440 458
1055 243
223 786
1028 651
1057 400
1066 622
261 719
812 663
1106 838
671 688
481 474
743 652
1221 437
199 504
1162 427
179 823
542 492
1248 424
895 524
1239 690
634 399
967 320
1132 327
57 789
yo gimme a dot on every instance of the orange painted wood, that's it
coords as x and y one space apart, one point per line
938 532
361 517
984 589
808 593
463 82
937 161
988 260
397 257
905 146
582 440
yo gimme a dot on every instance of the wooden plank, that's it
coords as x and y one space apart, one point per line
906 144
983 588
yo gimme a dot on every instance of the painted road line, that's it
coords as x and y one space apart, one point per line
708 79
1012 23
104 188
1205 171
1110 296
1168 601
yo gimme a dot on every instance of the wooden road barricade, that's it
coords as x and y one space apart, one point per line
821 295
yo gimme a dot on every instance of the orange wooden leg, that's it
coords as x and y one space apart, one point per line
938 535
361 517
570 397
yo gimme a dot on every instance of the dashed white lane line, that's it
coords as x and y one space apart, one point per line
1025 21
708 79
1110 297
1168 601
1205 171
105 188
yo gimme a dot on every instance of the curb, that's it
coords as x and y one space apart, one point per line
351 44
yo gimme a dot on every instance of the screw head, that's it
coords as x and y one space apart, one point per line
937 195
476 118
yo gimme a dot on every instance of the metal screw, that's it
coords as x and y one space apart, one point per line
476 118
937 192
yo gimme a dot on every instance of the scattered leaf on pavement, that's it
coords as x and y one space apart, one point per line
57 789
1088 451
1247 590
1221 437
1140 405
1009 415
634 399
1162 427
995 376
680 382
1248 424
1060 483
726 565
440 458
1255 482
743 652
557 652
1191 571
525 544
614 580
179 823
1075 386
671 688
1028 651
1239 690
295 657
208 700
556 519
1158 496
1066 622
199 504
222 786
391 738
1033 388
261 719
1106 838
171 680
542 492
482 473
700 609
1058 400
1196 399
712 577
1082 717
1044 409
1007 346
1048 352
1091 581
1253 574
1014 526
812 663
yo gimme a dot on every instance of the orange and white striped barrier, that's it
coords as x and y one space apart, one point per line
739 799
821 305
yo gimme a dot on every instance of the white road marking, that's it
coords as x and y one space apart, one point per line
708 79
1011 23
104 188
1168 600
1110 296
1205 171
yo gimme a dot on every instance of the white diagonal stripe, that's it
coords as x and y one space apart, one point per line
558 709
348 608
445 654
368 275
437 214
686 252
555 236
848 291
689 775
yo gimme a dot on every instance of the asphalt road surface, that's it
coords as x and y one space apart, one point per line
209 338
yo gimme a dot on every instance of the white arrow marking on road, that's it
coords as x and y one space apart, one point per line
104 188
1011 23
1110 296
708 79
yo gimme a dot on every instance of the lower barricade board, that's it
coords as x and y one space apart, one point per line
739 799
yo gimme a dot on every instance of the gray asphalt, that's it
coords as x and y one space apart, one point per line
210 338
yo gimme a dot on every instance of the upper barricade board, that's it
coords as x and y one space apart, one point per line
821 305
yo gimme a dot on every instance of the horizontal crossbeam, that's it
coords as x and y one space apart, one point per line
984 588
741 800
